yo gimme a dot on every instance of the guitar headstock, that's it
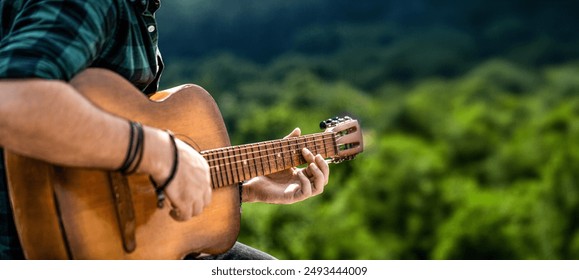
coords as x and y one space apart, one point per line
348 135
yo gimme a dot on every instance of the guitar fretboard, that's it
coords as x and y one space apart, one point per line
234 164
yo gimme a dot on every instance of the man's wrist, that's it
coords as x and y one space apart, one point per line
157 155
246 190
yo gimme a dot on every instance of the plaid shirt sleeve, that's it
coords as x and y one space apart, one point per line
54 39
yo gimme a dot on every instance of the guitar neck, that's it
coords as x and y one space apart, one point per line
234 164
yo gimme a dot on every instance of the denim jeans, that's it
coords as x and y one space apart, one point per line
240 251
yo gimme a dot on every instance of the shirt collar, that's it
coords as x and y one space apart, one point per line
151 5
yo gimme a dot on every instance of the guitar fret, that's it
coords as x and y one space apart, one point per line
252 163
218 174
313 145
217 168
288 151
238 164
271 147
258 160
220 167
291 151
243 158
248 160
268 156
307 146
310 144
209 159
283 153
261 159
280 155
301 158
266 160
231 162
298 153
325 148
224 168
316 145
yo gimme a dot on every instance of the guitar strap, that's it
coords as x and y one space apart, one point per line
125 209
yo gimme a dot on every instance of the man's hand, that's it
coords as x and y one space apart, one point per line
190 190
292 185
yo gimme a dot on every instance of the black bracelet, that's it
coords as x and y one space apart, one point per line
160 189
134 150
140 147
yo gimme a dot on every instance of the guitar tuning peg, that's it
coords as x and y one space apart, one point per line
327 123
333 121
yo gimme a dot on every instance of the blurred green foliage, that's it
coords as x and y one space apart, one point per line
467 156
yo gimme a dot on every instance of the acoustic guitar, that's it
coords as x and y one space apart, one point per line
78 213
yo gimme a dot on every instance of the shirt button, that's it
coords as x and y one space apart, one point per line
151 28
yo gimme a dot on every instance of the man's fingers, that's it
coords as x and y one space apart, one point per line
317 162
207 197
308 156
324 168
317 179
306 189
181 214
295 133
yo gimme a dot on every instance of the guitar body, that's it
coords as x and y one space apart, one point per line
73 213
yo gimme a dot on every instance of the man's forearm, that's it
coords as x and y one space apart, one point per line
51 121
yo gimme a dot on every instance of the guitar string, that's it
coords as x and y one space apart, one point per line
309 136
247 147
231 172
222 173
252 164
246 159
271 158
304 139
257 155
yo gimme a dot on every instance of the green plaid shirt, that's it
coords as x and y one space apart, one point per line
56 39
